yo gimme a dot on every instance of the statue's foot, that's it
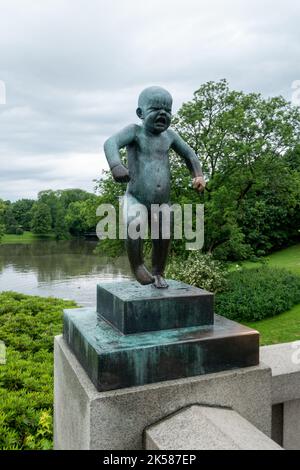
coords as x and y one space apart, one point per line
143 276
160 282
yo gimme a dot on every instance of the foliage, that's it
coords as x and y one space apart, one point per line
199 270
3 205
41 218
64 212
254 294
27 214
74 219
2 225
22 212
15 216
247 146
60 226
58 203
81 215
27 326
2 231
9 220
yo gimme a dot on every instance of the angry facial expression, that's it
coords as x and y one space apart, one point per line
157 113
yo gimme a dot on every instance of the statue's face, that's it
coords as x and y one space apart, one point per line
157 113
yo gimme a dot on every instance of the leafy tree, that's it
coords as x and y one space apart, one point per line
67 196
3 205
242 140
81 215
9 220
41 218
75 222
60 226
50 199
58 203
2 231
22 212
2 210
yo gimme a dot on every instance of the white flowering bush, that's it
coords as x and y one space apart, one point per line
200 270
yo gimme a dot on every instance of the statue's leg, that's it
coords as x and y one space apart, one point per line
160 251
134 247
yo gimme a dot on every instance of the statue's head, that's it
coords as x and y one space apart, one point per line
155 109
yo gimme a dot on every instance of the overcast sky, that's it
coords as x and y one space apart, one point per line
73 70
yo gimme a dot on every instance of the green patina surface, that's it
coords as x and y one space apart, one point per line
113 360
105 339
131 291
133 308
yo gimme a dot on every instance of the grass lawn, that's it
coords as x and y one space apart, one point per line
27 237
280 329
285 327
288 258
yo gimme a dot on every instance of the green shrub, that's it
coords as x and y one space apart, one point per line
27 327
254 294
198 270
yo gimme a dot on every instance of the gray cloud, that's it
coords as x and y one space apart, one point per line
73 70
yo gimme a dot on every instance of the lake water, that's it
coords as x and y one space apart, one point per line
66 269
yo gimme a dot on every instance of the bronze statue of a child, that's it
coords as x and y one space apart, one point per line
148 174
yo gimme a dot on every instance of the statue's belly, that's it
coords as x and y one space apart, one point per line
151 185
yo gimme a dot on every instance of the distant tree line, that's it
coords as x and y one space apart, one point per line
64 213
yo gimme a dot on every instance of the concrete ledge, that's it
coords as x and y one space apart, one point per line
291 425
87 419
284 361
206 428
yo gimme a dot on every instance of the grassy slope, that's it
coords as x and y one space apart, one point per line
285 327
27 237
288 258
280 329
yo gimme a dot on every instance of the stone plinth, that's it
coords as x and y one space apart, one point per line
132 308
87 419
114 361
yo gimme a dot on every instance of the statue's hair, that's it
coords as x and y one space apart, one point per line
150 91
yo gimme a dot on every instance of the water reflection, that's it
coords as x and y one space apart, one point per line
66 269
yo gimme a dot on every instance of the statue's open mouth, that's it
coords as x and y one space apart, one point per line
161 120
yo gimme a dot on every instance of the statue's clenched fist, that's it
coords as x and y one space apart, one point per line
120 174
199 183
